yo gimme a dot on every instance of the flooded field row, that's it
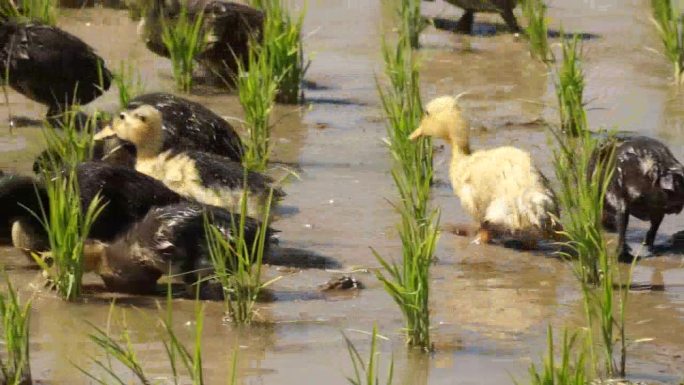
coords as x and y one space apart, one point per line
489 304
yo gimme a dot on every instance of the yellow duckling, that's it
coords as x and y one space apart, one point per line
500 188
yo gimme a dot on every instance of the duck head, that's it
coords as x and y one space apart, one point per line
142 127
672 184
443 119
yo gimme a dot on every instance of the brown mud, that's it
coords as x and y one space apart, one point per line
490 304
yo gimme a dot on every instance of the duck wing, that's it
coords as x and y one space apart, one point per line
176 232
129 195
229 27
51 66
220 172
189 125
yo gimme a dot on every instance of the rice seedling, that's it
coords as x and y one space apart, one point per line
283 48
237 263
129 82
44 11
366 371
67 228
408 282
582 183
257 88
668 22
403 108
412 22
584 168
184 38
570 89
608 318
537 29
69 140
15 366
66 225
569 371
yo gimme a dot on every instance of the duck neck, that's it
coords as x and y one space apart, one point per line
460 148
150 149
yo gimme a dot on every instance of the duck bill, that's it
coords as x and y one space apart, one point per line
416 134
104 133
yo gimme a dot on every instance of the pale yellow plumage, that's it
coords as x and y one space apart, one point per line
500 188
143 128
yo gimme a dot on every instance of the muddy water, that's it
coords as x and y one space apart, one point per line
491 304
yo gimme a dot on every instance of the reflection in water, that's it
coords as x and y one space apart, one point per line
671 129
501 293
416 370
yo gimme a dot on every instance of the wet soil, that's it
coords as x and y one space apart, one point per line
490 304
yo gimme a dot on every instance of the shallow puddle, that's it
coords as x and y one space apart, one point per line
490 304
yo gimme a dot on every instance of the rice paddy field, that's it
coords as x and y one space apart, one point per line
489 304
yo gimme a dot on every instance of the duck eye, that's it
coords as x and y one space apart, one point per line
122 116
142 118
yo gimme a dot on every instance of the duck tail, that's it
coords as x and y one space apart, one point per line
540 210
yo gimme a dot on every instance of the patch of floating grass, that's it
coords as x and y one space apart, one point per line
122 351
257 88
282 45
44 11
175 350
537 29
184 38
570 88
366 371
178 355
15 364
408 282
66 225
668 22
129 82
237 263
571 368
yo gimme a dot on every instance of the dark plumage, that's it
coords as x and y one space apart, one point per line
115 151
51 66
216 172
168 237
648 183
228 27
17 193
129 196
502 7
191 126
128 193
203 177
111 150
